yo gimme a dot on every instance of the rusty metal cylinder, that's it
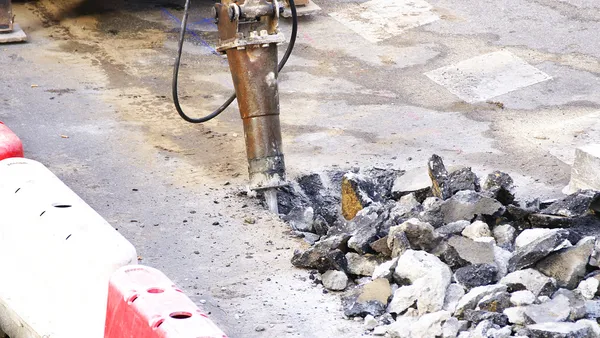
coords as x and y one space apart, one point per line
254 72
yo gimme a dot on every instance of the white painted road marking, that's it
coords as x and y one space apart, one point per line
487 76
377 20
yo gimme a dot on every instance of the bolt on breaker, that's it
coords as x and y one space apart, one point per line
249 36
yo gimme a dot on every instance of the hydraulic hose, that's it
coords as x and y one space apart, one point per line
219 110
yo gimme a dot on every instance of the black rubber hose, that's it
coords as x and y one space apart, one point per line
219 110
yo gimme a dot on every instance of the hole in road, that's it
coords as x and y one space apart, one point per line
62 206
155 290
132 299
180 315
158 323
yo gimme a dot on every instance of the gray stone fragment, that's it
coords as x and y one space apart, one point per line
362 239
555 310
381 246
504 235
543 299
538 220
420 235
439 176
429 277
482 329
301 219
559 330
585 169
500 186
386 269
595 257
496 302
576 303
398 242
530 235
450 328
454 228
430 325
531 253
568 266
592 324
476 230
432 212
370 224
467 205
592 309
401 327
477 316
504 332
407 207
405 297
309 237
516 315
454 293
522 298
501 259
476 275
326 207
370 322
334 280
324 255
445 184
588 287
577 204
472 251
320 225
462 179
472 298
529 279
362 265
449 255
380 331
415 181
368 299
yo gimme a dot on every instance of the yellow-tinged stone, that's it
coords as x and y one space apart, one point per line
351 205
379 290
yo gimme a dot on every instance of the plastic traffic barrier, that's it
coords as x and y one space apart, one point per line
56 254
144 303
10 144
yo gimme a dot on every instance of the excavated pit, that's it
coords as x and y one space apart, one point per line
437 252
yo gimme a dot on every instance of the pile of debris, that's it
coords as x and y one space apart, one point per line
433 253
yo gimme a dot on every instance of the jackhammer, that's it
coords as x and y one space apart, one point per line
6 16
249 36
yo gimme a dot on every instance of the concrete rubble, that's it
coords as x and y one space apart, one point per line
435 252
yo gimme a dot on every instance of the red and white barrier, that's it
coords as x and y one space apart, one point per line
10 144
144 303
56 254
